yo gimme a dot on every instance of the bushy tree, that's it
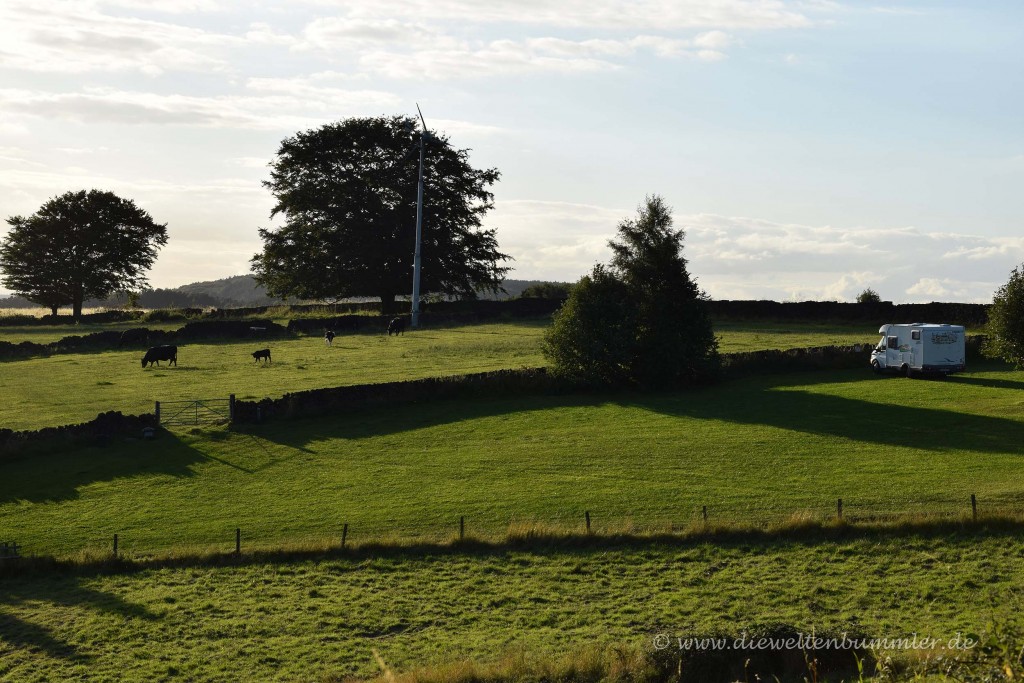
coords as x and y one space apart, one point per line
78 246
348 195
642 319
869 296
1006 321
593 336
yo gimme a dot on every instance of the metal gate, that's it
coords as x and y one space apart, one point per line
203 411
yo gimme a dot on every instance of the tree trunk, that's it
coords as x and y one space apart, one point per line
77 305
53 311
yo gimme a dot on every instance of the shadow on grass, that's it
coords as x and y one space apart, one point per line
52 476
20 633
772 401
990 382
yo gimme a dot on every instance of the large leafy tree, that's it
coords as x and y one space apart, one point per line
78 246
1006 320
347 193
642 319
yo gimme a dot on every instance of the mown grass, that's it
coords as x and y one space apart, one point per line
753 451
321 619
759 336
47 334
70 388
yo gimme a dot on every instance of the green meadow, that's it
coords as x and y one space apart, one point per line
322 619
70 388
771 453
754 451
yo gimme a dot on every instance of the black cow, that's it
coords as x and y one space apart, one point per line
328 337
262 353
159 353
396 326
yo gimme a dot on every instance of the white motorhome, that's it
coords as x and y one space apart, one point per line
919 348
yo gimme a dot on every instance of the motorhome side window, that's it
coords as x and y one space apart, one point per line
915 335
894 342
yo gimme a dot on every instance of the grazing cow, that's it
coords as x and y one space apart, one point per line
397 326
328 337
262 353
159 353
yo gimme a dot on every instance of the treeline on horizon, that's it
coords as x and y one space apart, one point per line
242 291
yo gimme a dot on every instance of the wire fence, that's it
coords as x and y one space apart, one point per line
705 521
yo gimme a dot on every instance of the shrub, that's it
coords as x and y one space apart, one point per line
1006 320
642 319
592 339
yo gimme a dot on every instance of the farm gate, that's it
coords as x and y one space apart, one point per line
203 411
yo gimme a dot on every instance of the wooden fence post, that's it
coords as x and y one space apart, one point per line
344 535
115 545
156 410
587 514
974 507
839 509
705 511
231 408
238 541
462 528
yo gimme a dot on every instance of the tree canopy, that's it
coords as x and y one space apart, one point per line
1006 320
869 296
642 319
348 192
80 245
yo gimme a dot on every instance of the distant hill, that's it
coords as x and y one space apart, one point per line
231 292
237 291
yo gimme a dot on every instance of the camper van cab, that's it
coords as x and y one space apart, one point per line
919 348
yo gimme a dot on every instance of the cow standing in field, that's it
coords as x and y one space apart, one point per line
262 353
396 326
328 337
158 353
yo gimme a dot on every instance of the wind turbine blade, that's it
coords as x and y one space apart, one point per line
424 121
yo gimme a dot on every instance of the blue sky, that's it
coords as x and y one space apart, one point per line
809 149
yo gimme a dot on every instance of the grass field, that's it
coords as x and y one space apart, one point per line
321 619
756 451
69 388
758 336
47 334
751 450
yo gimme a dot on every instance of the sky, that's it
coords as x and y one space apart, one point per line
810 149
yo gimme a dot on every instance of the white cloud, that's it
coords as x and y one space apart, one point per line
168 6
544 54
76 37
737 257
714 40
501 57
291 105
605 14
350 34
